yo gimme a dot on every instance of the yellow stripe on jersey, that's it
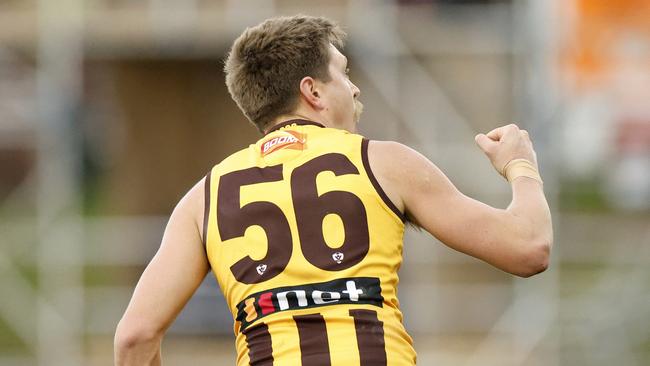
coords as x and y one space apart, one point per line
305 246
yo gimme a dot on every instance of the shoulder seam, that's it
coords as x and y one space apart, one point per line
375 182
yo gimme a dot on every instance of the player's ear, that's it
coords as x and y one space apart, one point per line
309 91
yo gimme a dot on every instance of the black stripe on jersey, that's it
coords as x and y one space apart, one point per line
206 208
375 183
370 337
260 348
314 347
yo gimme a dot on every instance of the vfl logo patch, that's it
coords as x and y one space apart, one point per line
357 290
284 140
338 257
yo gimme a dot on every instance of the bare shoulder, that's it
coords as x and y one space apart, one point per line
400 165
192 205
398 170
392 151
195 197
409 178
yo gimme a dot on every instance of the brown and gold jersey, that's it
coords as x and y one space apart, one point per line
306 246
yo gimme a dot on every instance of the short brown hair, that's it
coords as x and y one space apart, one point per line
266 63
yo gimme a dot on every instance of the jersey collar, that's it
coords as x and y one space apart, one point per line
299 122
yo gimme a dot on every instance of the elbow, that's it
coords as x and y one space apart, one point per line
130 336
536 258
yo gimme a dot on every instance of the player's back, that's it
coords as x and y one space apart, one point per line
306 247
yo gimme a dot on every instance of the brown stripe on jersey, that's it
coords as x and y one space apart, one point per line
206 208
314 348
260 349
375 183
370 337
299 122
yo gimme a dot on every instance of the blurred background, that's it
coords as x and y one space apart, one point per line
110 110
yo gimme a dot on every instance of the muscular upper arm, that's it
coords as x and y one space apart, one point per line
430 199
175 272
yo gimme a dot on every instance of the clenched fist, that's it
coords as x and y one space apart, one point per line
506 143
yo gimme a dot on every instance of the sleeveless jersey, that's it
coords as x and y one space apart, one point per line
306 246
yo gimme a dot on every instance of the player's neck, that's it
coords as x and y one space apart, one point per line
292 116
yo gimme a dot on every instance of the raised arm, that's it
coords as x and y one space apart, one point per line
168 282
516 239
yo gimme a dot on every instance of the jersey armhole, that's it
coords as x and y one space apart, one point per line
206 211
375 183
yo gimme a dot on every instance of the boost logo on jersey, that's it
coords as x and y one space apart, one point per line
283 140
358 290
